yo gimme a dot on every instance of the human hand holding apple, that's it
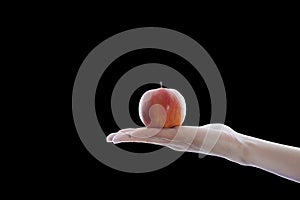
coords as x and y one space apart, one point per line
162 108
163 111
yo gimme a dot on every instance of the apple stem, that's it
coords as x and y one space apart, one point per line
160 84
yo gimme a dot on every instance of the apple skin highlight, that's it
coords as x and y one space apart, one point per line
162 108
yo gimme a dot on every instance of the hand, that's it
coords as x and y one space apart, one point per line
212 139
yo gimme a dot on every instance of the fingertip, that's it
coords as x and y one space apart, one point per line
120 138
110 137
108 140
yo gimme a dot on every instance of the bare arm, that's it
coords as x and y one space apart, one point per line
276 158
222 141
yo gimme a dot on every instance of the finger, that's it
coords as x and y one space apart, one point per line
172 144
177 146
165 133
145 132
110 137
120 138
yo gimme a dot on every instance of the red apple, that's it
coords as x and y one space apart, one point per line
162 108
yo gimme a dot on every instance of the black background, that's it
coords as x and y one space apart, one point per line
258 61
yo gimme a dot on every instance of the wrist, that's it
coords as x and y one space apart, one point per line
235 147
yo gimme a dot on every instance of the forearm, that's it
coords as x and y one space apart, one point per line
276 158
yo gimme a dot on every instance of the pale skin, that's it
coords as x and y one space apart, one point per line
221 141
